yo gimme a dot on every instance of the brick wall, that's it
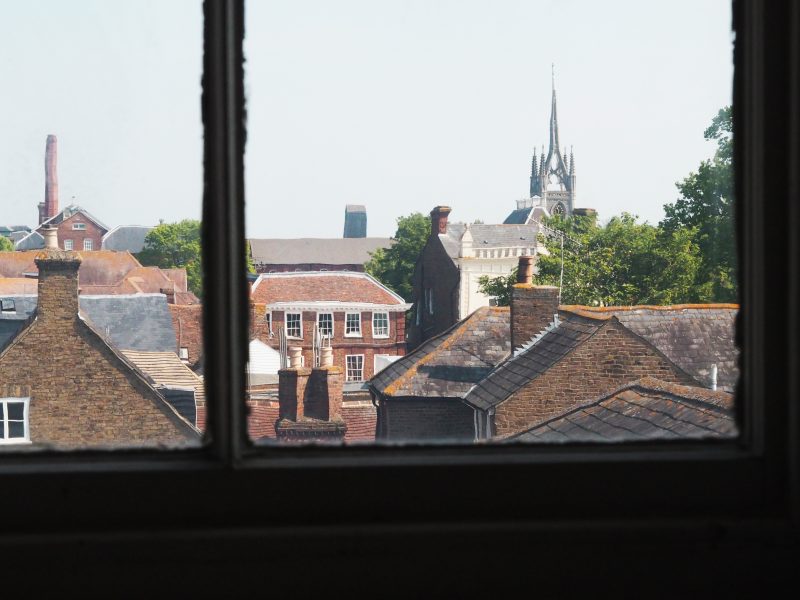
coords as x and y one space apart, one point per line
532 309
81 393
367 345
432 419
435 270
92 232
612 357
187 321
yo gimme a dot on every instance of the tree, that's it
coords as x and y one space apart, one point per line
175 245
6 245
621 263
394 267
706 205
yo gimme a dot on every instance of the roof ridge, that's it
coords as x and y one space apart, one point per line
579 308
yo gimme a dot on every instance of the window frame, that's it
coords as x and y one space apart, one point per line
714 487
360 333
69 244
299 316
347 358
88 242
79 227
388 325
330 313
26 439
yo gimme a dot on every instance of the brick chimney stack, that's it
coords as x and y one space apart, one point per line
310 401
439 219
533 307
49 208
58 284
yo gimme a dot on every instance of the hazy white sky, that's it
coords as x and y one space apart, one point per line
399 105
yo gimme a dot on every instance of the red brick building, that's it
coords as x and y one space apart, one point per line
63 385
363 319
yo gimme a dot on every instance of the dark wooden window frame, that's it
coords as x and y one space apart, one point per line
254 496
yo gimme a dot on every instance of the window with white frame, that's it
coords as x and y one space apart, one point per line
79 226
67 244
7 305
268 319
88 244
294 325
380 324
352 324
355 367
14 421
183 353
325 324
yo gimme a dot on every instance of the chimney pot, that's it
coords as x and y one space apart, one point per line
295 357
525 270
326 359
50 235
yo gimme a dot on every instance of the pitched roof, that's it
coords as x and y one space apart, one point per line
166 370
67 212
693 336
126 237
488 236
324 287
518 216
11 323
449 364
98 267
519 370
326 251
16 286
642 410
137 322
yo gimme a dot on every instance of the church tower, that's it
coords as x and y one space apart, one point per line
552 176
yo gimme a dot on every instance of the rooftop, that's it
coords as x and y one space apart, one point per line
326 251
324 287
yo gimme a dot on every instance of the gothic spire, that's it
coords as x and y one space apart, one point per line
554 144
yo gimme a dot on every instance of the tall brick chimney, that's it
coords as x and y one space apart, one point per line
49 208
310 401
58 284
533 307
439 219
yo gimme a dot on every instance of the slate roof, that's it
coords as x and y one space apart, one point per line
488 236
326 251
126 237
642 410
693 336
322 286
518 216
571 331
138 322
450 364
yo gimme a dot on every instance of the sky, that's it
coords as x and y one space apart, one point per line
397 105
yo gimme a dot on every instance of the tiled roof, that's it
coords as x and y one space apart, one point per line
99 267
450 364
571 331
693 336
327 251
67 212
488 236
126 238
166 370
15 286
342 286
642 410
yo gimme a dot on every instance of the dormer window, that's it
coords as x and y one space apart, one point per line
7 305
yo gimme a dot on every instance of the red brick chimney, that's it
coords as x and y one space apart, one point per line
310 401
439 219
58 284
49 208
533 307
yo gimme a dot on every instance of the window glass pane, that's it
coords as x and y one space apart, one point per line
103 138
588 186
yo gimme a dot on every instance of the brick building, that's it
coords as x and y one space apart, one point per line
63 384
363 319
456 255
563 357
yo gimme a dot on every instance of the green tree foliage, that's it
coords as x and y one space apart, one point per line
706 205
175 245
394 266
6 245
622 263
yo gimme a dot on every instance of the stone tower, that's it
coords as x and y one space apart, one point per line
553 176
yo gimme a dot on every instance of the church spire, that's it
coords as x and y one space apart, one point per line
554 145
